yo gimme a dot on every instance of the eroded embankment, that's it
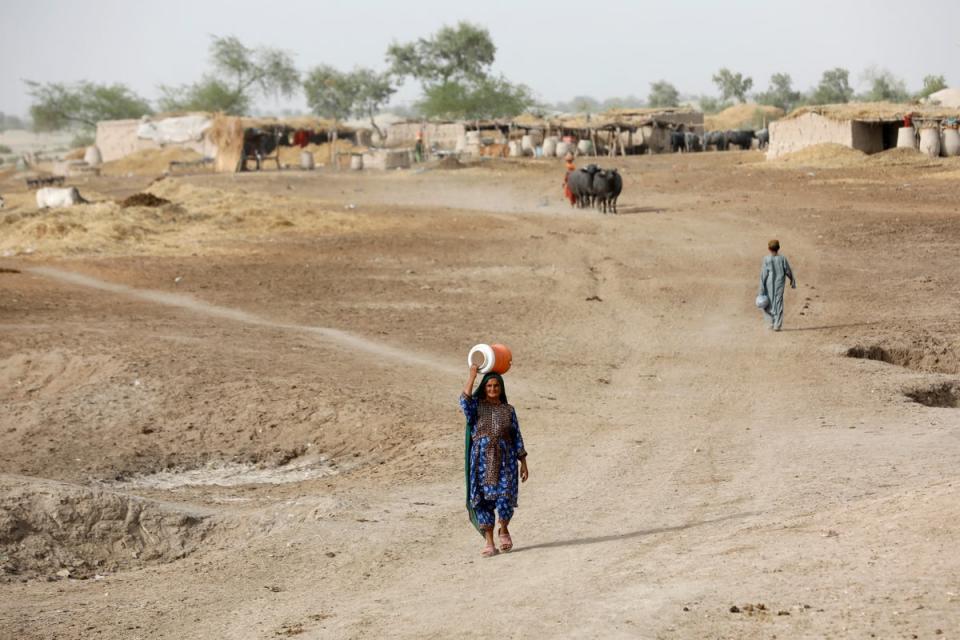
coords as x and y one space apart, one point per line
51 529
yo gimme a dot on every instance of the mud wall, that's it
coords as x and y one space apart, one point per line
787 136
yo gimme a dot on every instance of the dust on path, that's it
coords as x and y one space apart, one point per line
335 336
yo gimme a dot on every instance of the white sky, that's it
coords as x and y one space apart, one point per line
559 48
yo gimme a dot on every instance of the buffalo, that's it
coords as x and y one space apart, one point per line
763 138
743 138
607 185
581 184
716 139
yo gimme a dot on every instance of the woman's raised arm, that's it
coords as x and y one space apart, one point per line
468 387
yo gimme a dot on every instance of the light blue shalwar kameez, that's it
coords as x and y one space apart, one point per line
773 275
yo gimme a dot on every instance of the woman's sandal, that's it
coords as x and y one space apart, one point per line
506 542
489 551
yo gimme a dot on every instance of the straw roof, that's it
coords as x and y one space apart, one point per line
625 118
875 111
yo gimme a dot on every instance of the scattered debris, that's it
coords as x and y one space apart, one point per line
594 299
143 200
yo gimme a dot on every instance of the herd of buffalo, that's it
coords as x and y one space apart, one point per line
720 140
592 186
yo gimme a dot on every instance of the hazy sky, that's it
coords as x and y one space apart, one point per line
558 48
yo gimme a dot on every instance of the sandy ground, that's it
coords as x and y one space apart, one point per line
235 416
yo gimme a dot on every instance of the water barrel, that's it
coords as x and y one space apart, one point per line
306 160
906 138
516 149
930 141
526 143
563 148
92 156
585 147
951 142
490 357
356 162
549 147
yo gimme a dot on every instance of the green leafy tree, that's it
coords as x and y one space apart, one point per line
932 84
59 106
239 75
464 52
834 87
663 94
884 86
710 104
338 95
453 68
490 97
732 85
331 93
374 92
781 93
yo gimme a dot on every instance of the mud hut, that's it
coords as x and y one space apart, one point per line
868 127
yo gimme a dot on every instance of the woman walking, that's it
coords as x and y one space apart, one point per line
773 274
494 445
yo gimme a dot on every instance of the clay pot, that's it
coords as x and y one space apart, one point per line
496 358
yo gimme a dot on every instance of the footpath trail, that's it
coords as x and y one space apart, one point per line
683 459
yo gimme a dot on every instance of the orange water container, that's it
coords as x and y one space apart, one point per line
496 358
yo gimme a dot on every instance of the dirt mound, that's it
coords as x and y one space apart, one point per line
75 154
143 200
743 116
197 220
149 162
827 155
901 157
51 528
447 163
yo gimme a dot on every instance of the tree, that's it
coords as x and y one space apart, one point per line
932 84
331 93
453 68
59 106
491 97
663 94
464 52
732 85
781 93
240 73
374 91
834 87
884 86
209 94
709 104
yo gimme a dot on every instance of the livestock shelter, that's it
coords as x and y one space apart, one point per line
220 138
621 131
869 127
230 134
628 131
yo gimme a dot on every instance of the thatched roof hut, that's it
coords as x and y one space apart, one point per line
869 127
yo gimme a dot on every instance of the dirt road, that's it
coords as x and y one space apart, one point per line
227 426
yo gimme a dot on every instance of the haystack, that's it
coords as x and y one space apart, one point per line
748 115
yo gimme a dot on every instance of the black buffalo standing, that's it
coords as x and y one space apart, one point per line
581 184
743 138
607 185
716 139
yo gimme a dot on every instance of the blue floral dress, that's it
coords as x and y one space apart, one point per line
496 446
